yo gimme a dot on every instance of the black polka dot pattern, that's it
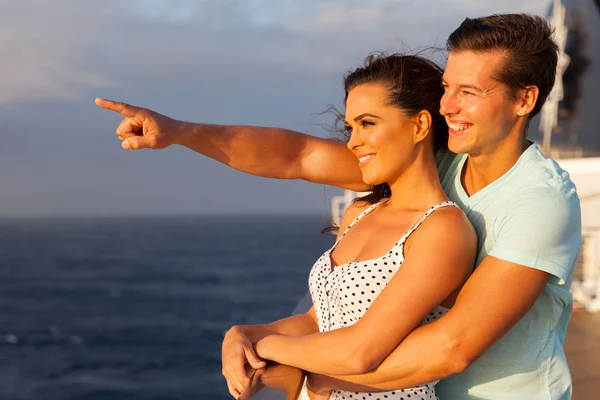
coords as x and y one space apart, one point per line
342 295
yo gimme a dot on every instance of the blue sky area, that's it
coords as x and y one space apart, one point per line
221 61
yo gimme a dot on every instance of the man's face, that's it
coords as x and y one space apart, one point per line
479 112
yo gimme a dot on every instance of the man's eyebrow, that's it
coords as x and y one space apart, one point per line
464 86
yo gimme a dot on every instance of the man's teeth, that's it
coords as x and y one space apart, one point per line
459 127
365 158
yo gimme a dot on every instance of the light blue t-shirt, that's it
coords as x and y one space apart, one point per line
530 216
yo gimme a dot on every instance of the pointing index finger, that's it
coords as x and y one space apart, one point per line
124 109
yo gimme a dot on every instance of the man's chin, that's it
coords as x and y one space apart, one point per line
458 147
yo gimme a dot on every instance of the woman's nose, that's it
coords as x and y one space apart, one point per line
354 141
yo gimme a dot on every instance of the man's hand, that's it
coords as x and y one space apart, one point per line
236 351
142 128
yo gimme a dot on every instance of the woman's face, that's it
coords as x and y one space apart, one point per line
379 134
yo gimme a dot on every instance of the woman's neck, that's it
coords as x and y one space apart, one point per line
418 187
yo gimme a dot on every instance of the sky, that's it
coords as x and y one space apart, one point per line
259 62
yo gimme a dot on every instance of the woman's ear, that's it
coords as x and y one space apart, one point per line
422 126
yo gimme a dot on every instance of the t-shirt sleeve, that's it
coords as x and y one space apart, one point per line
541 231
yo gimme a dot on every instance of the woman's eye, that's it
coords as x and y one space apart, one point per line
364 124
348 129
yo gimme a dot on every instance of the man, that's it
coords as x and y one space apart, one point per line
503 338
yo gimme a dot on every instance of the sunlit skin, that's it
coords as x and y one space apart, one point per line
390 147
401 155
397 147
496 123
494 141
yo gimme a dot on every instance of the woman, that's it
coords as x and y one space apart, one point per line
364 304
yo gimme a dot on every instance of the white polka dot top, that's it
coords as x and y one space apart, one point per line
343 294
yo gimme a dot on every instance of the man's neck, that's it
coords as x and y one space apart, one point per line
483 169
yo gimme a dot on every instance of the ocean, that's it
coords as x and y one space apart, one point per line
127 308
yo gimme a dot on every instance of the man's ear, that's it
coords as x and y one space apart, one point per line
527 100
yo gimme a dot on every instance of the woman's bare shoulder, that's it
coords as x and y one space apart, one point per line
450 224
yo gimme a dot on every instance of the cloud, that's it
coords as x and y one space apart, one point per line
38 43
261 62
66 49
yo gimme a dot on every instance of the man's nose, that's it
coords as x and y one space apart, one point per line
448 104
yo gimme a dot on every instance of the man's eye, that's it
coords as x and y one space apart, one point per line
467 92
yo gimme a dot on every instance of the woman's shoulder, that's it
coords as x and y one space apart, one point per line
449 222
448 215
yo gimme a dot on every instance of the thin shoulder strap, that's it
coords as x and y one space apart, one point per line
367 211
427 214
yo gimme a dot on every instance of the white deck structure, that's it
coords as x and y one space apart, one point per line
585 172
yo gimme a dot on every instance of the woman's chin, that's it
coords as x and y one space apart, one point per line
370 180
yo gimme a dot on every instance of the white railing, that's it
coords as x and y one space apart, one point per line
586 282
340 203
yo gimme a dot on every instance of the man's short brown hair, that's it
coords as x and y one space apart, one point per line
531 53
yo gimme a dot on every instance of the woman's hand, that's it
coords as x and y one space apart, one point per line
314 396
236 351
317 387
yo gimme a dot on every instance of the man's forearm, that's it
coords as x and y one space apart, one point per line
494 299
424 356
268 152
274 153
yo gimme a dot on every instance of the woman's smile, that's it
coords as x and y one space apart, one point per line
365 159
